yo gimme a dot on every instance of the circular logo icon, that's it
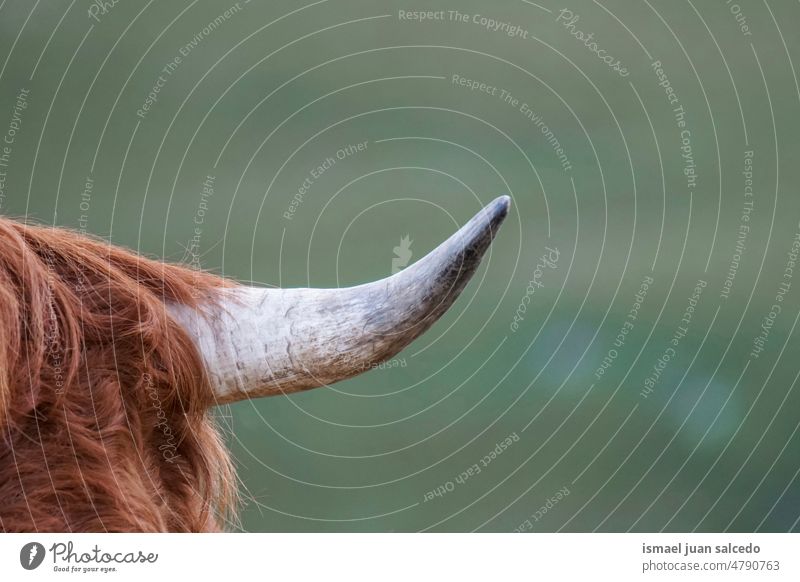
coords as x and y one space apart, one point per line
31 555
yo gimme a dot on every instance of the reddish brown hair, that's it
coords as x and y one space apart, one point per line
104 400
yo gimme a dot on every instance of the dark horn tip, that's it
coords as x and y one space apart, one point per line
498 209
484 226
464 250
458 257
426 289
501 204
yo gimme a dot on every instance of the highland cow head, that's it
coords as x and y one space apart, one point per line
110 363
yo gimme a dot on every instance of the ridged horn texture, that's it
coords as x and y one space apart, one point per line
262 342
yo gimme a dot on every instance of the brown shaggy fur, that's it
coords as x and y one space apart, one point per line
104 401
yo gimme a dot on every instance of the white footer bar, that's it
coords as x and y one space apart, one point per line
402 557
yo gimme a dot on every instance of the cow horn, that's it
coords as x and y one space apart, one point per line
262 342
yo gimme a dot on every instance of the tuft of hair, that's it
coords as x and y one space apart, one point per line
104 399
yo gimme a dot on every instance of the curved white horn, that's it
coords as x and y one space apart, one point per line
262 342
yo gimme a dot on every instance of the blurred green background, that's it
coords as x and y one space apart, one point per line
265 92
